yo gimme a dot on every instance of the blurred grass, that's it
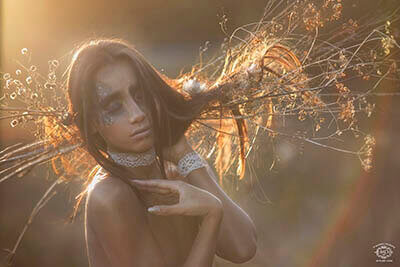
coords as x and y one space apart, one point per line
311 193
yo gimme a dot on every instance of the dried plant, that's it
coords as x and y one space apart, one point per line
286 68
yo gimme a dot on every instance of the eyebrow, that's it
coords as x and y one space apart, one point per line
108 97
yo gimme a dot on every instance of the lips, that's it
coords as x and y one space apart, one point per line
139 131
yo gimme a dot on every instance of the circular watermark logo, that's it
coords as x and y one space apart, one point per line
384 252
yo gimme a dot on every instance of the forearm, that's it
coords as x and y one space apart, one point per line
204 246
237 237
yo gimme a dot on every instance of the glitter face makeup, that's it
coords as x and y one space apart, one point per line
106 116
111 106
121 113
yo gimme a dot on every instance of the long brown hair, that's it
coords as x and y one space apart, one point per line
175 114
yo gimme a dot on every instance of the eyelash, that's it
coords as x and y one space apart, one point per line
110 108
135 93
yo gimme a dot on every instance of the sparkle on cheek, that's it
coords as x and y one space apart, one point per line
107 119
101 92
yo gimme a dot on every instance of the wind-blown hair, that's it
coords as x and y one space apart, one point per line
289 68
170 120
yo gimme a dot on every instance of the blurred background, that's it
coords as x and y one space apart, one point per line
325 209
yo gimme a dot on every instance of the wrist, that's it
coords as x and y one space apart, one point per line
190 162
182 153
184 149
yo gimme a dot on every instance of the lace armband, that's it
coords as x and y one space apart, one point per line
189 162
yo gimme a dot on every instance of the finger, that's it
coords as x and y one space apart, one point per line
159 183
152 189
175 209
149 188
171 170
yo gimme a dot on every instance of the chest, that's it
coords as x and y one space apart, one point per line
174 233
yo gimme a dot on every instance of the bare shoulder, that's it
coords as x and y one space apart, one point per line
110 194
118 220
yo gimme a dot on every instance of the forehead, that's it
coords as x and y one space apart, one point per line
115 77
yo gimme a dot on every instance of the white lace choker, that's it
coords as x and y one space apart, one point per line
132 159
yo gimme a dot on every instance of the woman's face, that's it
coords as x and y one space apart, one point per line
122 117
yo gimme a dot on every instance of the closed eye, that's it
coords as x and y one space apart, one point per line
113 106
136 93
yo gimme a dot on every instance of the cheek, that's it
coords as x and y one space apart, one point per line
112 126
108 120
114 133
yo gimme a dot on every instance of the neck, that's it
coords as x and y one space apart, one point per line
143 164
145 172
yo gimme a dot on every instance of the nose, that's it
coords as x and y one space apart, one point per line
135 113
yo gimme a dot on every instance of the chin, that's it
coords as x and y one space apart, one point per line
143 146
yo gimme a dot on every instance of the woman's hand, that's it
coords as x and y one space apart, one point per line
193 201
171 170
177 151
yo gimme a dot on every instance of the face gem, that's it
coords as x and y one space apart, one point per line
106 119
102 92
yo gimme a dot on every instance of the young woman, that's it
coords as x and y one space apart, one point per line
154 201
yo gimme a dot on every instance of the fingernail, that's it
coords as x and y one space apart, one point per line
154 208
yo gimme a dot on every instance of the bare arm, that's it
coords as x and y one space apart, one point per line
204 246
237 238
119 221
